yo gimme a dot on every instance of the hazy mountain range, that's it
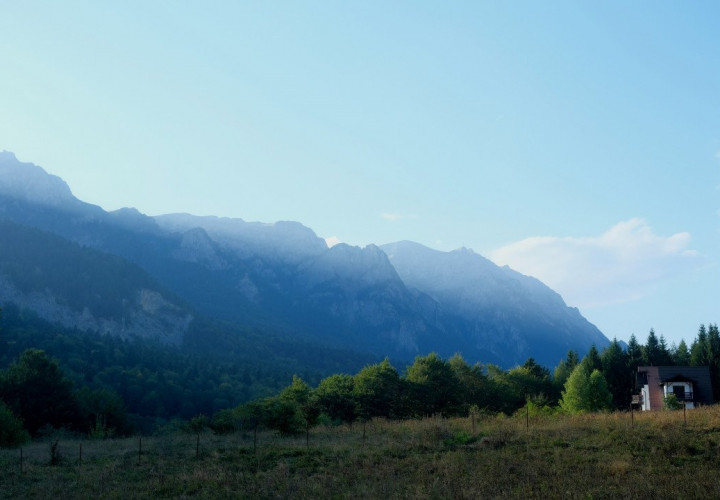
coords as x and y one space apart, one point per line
126 274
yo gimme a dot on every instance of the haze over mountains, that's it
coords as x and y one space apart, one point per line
126 274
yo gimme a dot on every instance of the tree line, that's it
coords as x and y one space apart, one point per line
102 391
434 386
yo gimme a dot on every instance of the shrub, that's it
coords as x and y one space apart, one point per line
12 432
670 402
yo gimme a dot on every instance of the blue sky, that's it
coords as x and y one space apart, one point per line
575 141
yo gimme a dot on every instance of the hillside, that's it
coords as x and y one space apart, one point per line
400 300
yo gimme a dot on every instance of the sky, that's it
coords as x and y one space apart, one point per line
578 142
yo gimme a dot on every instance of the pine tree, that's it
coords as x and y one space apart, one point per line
664 357
617 374
713 348
651 351
681 354
592 359
699 348
564 369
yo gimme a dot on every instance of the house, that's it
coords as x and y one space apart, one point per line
691 385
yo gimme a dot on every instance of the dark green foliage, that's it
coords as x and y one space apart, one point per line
700 349
564 368
619 376
592 360
103 412
335 397
475 390
295 410
713 356
197 424
154 382
681 354
670 402
664 357
435 388
529 381
635 354
12 432
377 391
36 390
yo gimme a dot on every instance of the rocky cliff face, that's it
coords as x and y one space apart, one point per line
149 315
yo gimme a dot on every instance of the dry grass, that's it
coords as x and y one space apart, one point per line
589 456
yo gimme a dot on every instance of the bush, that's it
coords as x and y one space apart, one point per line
12 432
670 402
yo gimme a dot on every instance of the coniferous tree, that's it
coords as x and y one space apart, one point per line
681 354
651 351
617 374
664 356
592 359
699 348
565 367
634 352
713 355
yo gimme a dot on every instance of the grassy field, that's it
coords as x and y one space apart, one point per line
590 456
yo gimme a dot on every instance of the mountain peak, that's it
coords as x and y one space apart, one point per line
29 182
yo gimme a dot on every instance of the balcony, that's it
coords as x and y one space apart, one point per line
683 396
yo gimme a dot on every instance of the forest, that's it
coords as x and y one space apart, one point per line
102 386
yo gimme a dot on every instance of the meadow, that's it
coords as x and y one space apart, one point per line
606 455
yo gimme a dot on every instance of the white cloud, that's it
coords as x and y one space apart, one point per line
623 264
332 241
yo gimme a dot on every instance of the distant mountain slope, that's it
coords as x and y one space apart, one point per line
86 289
398 301
493 306
282 241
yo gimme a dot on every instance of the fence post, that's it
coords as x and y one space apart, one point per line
139 449
527 410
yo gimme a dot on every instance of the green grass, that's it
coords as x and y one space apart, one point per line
588 456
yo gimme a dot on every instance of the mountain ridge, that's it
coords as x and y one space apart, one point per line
399 300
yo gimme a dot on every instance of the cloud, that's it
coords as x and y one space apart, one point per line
625 263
